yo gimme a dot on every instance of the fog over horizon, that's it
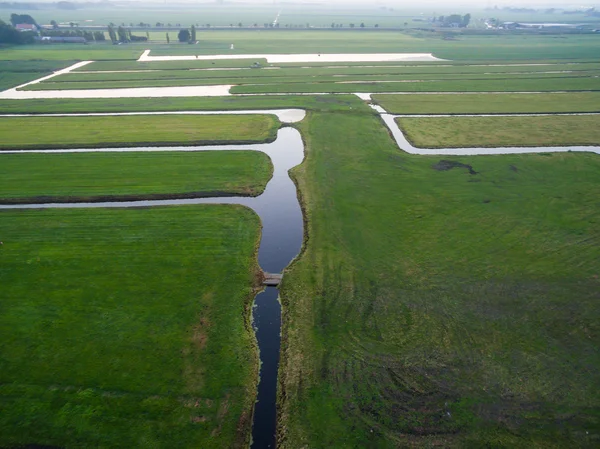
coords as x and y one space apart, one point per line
359 3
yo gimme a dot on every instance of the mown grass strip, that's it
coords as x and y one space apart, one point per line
450 132
434 307
127 328
155 130
127 176
482 104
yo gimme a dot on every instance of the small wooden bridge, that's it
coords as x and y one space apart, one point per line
272 279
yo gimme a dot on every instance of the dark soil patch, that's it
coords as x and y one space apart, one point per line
445 165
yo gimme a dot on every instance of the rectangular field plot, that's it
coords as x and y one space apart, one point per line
312 102
95 176
155 130
447 132
459 85
127 328
489 103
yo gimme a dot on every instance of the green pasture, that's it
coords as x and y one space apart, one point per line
243 77
159 70
154 130
501 85
127 328
340 103
435 307
95 176
555 130
466 47
489 103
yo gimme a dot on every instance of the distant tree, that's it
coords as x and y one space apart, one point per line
71 24
453 20
183 35
147 35
168 39
112 34
15 19
332 25
240 24
99 36
362 25
376 25
54 24
351 25
193 34
8 34
122 34
465 20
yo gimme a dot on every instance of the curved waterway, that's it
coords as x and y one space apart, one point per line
282 234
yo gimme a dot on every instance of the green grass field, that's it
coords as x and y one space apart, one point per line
154 130
440 308
489 104
189 78
444 132
95 176
341 103
127 328
438 302
501 85
466 48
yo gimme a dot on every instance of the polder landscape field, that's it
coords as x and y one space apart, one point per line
446 292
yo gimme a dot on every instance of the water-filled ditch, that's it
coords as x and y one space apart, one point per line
282 234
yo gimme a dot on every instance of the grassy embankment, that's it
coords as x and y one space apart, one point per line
127 176
489 104
127 328
438 307
155 130
445 132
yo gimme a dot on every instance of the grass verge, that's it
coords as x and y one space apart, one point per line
127 328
